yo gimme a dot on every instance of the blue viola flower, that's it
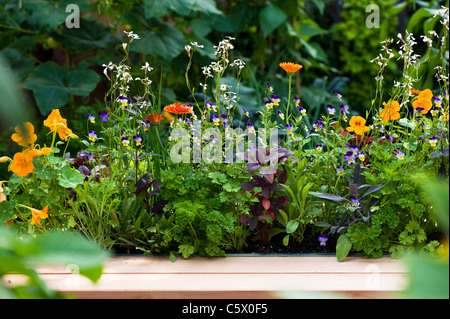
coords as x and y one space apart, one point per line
290 129
400 155
137 139
215 120
302 111
338 95
433 141
323 240
331 109
125 141
103 116
92 136
350 158
318 125
275 99
355 201
354 149
91 118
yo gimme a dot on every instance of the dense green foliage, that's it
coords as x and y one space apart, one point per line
345 169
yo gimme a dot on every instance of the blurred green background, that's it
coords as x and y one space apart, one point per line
61 67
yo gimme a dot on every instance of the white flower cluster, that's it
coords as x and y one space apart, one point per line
132 36
191 48
223 47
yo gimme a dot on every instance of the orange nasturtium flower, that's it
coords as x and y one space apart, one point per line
22 163
24 135
177 108
290 67
423 101
36 214
357 125
58 124
390 111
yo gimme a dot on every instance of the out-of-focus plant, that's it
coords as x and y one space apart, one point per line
19 256
429 276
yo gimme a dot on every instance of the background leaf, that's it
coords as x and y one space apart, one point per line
271 18
157 37
52 85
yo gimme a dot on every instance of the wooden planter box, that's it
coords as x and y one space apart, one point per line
236 277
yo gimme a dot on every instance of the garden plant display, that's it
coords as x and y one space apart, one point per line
171 179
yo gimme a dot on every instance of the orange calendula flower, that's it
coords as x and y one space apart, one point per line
390 111
154 118
178 108
58 124
290 67
357 125
24 135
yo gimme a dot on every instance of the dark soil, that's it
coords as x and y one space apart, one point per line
309 245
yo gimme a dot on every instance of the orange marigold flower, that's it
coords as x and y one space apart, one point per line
390 111
357 125
178 108
154 118
290 67
24 135
59 124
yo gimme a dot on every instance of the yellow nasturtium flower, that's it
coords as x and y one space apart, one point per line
357 125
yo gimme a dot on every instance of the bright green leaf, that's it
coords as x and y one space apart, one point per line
343 247
292 226
70 177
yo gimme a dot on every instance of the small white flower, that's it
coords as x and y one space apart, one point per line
147 67
132 35
124 46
